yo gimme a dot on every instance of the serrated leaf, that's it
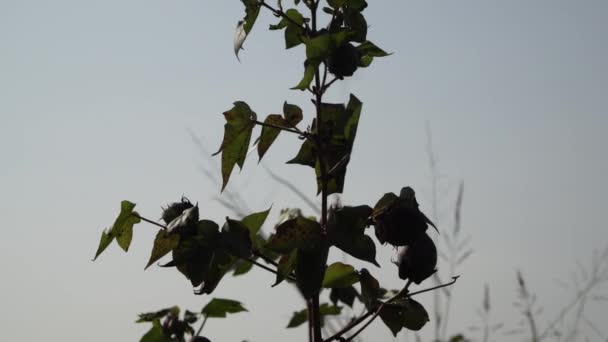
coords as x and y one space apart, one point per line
292 113
240 121
287 264
220 307
340 275
164 243
295 233
269 134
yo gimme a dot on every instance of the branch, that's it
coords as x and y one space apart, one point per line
262 266
435 287
280 13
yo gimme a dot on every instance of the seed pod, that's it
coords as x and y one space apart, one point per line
171 212
344 61
418 260
398 220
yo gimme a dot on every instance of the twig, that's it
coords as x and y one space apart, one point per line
283 128
149 221
282 14
435 287
267 268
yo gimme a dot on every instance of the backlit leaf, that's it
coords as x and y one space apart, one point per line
340 275
220 307
163 244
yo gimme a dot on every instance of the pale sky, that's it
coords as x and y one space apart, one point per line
97 99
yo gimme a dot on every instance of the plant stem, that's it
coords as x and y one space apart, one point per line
349 327
435 287
198 332
282 128
280 13
264 267
149 221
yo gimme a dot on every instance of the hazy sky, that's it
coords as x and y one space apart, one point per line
97 99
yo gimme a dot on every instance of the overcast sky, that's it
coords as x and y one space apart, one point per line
98 99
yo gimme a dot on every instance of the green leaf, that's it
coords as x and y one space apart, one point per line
152 316
105 241
220 307
254 222
242 267
346 230
345 295
310 269
287 264
370 289
300 317
220 264
306 156
355 21
121 230
340 128
310 66
240 121
252 9
404 313
368 48
194 255
336 3
292 113
340 275
163 244
295 233
269 134
155 334
235 237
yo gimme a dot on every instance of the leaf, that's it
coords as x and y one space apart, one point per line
254 222
292 113
121 230
220 264
163 244
252 9
287 264
306 156
345 295
194 255
240 121
155 334
310 269
404 313
242 267
346 230
235 237
370 288
295 233
340 275
269 134
355 21
152 316
106 240
384 203
340 128
368 48
220 307
300 317
310 66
